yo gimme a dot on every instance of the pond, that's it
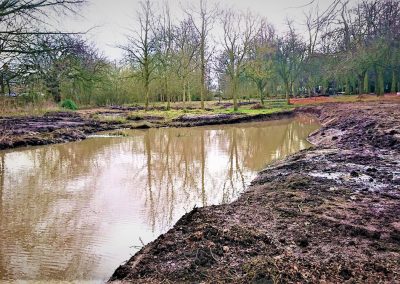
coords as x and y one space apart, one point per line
77 211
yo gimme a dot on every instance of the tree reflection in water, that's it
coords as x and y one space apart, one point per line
74 211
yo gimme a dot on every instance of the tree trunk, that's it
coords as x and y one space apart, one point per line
189 95
287 87
184 91
54 89
167 93
366 83
2 86
9 87
234 94
260 90
380 84
394 82
359 90
146 90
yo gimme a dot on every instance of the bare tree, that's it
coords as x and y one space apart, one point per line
203 19
62 57
164 48
20 23
20 20
290 55
186 41
141 47
239 32
259 65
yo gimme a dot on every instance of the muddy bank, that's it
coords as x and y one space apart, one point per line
55 127
329 214
216 119
60 127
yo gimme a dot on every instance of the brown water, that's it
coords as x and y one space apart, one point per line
76 211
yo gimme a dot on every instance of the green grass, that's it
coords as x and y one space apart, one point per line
173 114
212 108
167 115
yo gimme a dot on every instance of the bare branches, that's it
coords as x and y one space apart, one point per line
14 8
303 6
203 19
141 46
20 22
239 32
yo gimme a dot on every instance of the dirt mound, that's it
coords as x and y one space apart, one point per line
369 126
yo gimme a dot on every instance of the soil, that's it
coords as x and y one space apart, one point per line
332 99
54 127
330 214
217 119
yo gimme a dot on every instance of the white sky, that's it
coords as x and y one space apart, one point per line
112 18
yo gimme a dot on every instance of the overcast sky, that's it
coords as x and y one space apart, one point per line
113 18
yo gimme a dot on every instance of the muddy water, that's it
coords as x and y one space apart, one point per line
76 211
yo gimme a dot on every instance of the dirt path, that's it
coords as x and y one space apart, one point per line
329 214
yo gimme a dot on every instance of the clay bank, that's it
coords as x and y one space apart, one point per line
328 214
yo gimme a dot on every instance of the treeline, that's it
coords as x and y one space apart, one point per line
207 53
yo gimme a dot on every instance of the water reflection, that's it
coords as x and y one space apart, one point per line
76 211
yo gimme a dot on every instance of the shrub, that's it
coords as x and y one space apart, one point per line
69 104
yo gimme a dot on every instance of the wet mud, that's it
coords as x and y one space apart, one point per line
330 214
51 128
218 119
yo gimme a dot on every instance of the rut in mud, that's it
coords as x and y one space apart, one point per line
331 214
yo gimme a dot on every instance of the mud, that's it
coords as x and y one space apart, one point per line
330 214
215 119
55 127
